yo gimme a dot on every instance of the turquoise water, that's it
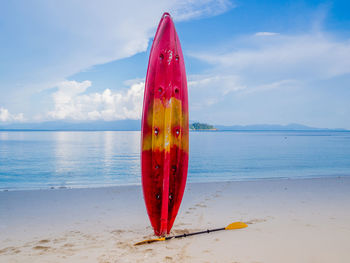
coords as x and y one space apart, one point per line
32 160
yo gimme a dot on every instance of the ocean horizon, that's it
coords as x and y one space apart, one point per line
86 159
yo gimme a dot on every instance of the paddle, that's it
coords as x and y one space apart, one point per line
235 225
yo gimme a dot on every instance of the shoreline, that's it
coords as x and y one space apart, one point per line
292 220
50 188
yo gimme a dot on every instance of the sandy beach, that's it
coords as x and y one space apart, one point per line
300 220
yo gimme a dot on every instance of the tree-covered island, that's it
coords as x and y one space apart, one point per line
201 126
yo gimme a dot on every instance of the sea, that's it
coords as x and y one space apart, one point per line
71 159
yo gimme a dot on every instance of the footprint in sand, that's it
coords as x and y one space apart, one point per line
58 240
254 221
44 241
68 245
117 232
167 259
10 250
42 248
200 205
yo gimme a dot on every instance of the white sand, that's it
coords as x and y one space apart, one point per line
289 221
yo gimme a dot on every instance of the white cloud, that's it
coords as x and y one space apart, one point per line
6 116
285 57
221 84
207 90
71 102
185 9
266 34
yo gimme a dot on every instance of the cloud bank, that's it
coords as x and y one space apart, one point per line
6 116
303 56
259 63
71 102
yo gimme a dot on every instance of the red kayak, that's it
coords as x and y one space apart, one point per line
164 132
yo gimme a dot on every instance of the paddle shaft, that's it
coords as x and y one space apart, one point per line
196 233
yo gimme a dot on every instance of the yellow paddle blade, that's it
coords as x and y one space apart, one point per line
236 225
149 241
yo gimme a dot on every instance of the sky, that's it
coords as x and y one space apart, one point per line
247 62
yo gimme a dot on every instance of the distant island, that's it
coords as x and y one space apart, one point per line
201 126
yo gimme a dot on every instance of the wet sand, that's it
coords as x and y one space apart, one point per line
306 220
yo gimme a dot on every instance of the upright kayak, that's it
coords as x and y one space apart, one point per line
164 132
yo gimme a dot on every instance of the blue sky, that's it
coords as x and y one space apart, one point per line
248 62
